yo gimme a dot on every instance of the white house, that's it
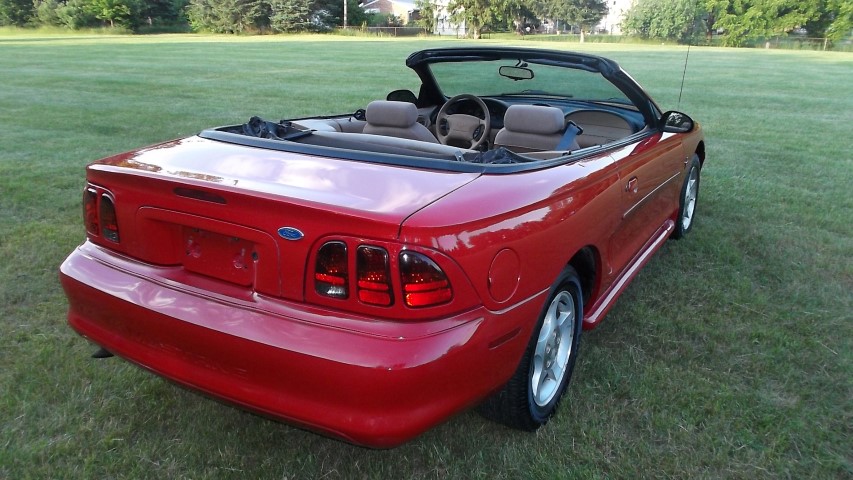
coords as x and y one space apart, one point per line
401 9
612 21
443 24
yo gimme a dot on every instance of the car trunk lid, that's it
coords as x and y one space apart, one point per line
250 217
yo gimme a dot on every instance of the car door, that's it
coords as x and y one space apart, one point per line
648 174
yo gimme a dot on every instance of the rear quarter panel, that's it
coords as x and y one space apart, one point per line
543 217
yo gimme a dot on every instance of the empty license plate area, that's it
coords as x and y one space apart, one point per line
220 256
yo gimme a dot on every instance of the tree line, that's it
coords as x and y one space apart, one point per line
218 16
239 16
737 21
732 21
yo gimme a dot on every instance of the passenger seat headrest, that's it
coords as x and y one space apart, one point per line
537 119
385 113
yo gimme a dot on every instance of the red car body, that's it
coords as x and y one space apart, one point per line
208 286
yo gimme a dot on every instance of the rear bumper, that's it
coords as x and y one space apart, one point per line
370 382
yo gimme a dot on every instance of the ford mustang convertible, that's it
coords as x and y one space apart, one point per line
370 274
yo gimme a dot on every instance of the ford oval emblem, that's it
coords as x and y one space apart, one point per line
290 233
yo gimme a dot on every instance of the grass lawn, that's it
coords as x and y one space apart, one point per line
728 357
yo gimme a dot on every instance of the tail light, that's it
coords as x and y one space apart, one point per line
108 220
90 211
99 214
424 283
382 279
374 277
331 271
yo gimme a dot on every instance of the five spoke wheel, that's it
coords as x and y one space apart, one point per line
553 348
688 199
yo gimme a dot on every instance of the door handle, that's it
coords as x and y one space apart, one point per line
632 185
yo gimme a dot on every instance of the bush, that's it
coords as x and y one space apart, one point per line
75 15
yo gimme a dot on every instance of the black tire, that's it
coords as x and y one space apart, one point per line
688 199
531 396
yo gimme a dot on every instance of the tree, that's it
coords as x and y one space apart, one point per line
15 12
478 14
122 12
664 19
238 16
75 14
835 21
428 14
229 16
743 19
383 20
738 20
290 15
168 12
45 12
330 13
583 13
474 13
842 24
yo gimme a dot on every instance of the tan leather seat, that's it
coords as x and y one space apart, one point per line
599 127
530 128
396 119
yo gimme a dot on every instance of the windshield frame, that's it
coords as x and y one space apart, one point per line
431 93
483 79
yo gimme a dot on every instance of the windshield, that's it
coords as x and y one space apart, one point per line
507 77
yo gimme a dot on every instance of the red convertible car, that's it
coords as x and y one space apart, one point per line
370 274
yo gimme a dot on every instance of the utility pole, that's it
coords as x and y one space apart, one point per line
345 14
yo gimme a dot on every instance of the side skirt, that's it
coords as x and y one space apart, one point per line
600 308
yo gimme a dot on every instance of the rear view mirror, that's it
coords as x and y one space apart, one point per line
516 73
676 122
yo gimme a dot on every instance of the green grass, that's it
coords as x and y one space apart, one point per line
728 357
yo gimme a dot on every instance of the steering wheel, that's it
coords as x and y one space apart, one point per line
460 127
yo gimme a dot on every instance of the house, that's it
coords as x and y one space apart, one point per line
611 23
401 9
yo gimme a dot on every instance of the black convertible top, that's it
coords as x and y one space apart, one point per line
609 69
552 57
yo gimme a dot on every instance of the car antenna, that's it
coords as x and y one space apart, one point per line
687 57
683 74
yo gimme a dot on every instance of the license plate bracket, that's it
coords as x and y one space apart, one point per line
219 256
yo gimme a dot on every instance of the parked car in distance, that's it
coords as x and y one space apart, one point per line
370 274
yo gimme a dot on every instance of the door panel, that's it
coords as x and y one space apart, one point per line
649 173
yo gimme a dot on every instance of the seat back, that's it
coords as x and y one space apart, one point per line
530 128
599 127
396 119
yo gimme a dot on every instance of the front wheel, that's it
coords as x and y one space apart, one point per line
533 393
689 198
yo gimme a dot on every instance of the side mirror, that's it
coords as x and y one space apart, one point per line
676 122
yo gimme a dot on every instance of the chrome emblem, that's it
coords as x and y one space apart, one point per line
290 233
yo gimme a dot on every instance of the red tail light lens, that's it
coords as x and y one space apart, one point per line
374 278
108 220
382 279
90 211
424 283
331 272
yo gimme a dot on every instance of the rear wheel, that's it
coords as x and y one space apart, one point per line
688 200
533 393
